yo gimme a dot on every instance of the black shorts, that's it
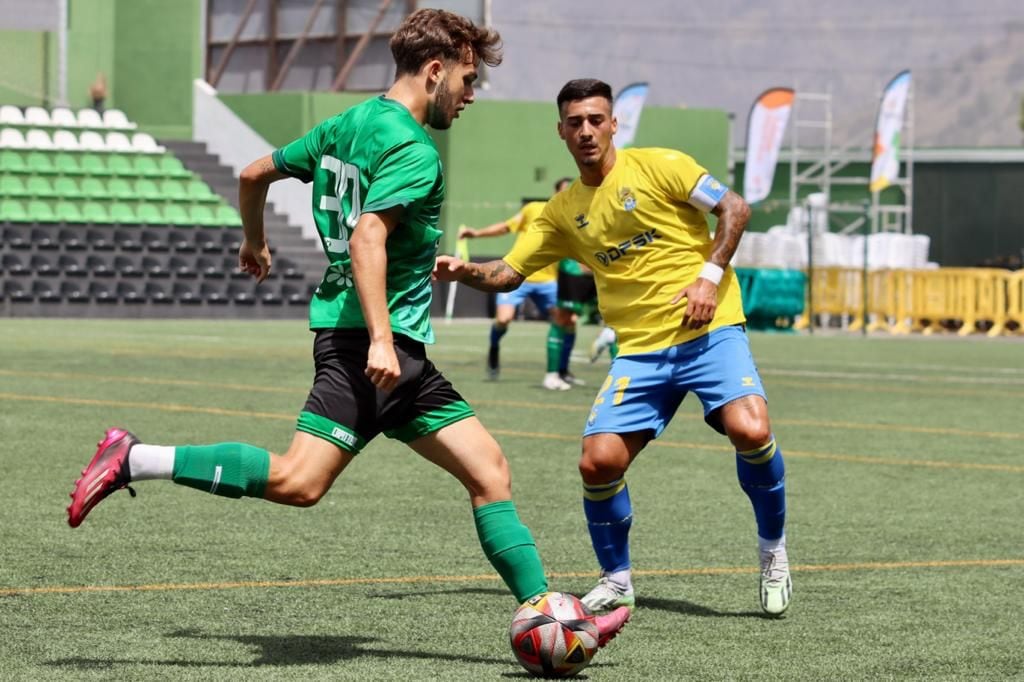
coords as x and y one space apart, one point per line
575 290
345 408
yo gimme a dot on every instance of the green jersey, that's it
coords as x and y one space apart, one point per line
372 157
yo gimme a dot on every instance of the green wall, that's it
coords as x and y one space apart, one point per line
34 81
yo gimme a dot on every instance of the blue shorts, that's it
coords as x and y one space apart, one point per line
642 392
543 294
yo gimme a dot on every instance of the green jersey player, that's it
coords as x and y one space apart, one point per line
377 194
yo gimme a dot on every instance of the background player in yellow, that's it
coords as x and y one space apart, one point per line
637 218
541 287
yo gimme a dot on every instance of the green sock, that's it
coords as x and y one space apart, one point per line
613 349
228 469
556 337
510 549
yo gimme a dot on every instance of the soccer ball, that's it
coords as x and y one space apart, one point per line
553 635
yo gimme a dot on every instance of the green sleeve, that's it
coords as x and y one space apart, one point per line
300 157
405 175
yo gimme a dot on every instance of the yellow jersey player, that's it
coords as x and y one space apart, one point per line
637 218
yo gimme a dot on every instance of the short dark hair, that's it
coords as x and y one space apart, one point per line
582 88
436 34
560 181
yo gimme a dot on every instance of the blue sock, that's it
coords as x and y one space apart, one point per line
497 333
762 476
609 515
568 341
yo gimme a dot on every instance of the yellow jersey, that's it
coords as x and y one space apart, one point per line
519 224
644 242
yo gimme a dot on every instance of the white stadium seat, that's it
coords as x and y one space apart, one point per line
11 115
11 138
144 142
63 117
115 118
92 141
66 140
118 142
37 116
38 139
89 118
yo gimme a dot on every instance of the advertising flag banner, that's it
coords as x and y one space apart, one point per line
626 109
885 159
766 127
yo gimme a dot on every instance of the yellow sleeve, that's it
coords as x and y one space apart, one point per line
674 172
539 246
515 223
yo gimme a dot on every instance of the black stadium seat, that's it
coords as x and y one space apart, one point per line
213 293
15 290
101 293
128 239
43 265
182 268
44 239
209 268
156 292
46 291
155 266
154 240
100 239
18 237
126 266
207 242
269 294
129 293
186 292
72 292
241 293
72 239
14 265
71 266
99 266
181 240
294 295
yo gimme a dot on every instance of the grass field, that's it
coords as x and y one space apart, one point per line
905 470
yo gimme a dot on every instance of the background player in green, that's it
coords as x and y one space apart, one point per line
377 194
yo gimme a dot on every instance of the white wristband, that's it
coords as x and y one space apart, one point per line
711 273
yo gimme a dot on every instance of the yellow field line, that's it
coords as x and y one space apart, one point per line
415 579
860 459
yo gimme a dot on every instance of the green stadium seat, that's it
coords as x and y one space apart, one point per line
150 214
94 188
13 186
41 212
175 214
119 188
67 188
173 190
123 213
12 162
93 164
121 164
198 190
95 212
67 164
203 215
40 163
68 212
228 216
147 189
13 211
147 167
172 167
39 186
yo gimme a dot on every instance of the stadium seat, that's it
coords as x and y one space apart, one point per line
123 214
93 164
156 292
68 212
39 186
101 293
128 239
182 268
43 265
155 268
92 141
45 239
99 266
146 166
18 237
93 188
203 216
198 190
67 188
270 295
11 115
71 265
115 118
72 292
67 164
11 138
288 268
89 118
95 212
37 116
230 266
171 167
16 291
186 293
228 216
173 190
100 239
128 292
213 293
147 189
41 211
13 186
46 291
231 240
12 162
127 266
72 239
14 265
175 214
121 164
294 295
63 117
241 293
209 268
150 214
207 242
154 240
40 163
145 144
118 142
38 139
119 188
181 240
66 140
12 210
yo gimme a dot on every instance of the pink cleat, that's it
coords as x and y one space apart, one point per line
106 473
611 624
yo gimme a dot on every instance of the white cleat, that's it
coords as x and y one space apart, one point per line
607 596
605 338
572 379
776 583
553 382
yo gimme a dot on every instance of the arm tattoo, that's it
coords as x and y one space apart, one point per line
733 214
495 275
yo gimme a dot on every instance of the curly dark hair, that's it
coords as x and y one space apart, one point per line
436 34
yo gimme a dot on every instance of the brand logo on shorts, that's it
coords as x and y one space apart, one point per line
344 436
614 253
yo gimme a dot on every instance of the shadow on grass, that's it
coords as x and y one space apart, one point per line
488 591
283 650
689 608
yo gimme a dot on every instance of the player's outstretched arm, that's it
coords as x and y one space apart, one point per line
495 275
253 183
495 230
